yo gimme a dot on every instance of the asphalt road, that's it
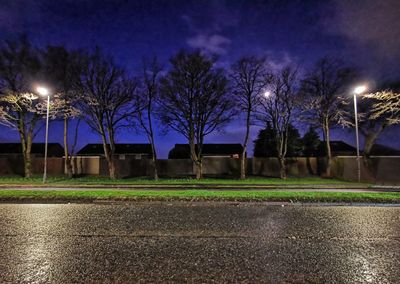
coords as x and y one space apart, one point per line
198 242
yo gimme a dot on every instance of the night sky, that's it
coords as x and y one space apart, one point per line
364 33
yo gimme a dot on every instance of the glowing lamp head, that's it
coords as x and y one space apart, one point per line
360 89
267 94
42 91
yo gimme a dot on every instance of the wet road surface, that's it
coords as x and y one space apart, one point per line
198 242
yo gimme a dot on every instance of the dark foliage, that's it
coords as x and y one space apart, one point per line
265 144
311 143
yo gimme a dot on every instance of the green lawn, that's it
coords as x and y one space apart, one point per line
290 196
144 181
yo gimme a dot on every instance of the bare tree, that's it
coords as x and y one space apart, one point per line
19 66
277 108
106 101
387 104
322 91
61 70
377 112
194 101
371 126
145 104
249 78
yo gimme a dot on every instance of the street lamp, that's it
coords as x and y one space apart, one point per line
45 92
358 91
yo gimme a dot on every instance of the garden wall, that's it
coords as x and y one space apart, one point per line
86 165
375 169
14 165
299 167
220 166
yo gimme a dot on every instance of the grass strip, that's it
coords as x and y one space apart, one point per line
290 196
183 181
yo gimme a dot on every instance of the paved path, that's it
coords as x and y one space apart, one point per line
198 242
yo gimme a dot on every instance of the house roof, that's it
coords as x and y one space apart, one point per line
382 150
53 149
182 151
97 149
339 148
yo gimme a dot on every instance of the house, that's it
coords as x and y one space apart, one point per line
340 148
136 151
182 151
15 149
379 150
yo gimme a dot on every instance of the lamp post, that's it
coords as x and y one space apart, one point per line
358 91
45 92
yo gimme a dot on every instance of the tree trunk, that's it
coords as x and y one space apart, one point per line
112 163
27 165
370 139
328 170
243 164
26 151
112 168
196 158
150 135
154 158
155 172
243 157
369 142
67 159
199 169
108 153
26 145
69 166
282 167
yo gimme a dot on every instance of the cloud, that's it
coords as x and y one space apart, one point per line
211 44
208 25
368 23
278 63
212 16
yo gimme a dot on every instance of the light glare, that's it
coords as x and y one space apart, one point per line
42 91
360 89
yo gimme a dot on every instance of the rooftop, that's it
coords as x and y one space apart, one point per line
97 149
54 149
182 151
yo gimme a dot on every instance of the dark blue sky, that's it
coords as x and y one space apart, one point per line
365 33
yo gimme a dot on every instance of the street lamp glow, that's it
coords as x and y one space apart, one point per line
42 91
360 89
267 94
